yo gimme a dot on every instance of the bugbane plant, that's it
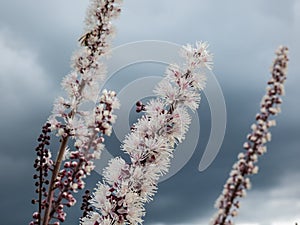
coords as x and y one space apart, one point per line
126 187
69 120
239 181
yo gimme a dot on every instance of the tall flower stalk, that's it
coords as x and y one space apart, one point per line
238 181
126 187
69 120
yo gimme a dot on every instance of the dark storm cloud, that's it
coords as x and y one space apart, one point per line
37 39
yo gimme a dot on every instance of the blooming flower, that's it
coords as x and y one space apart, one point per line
70 120
199 56
127 186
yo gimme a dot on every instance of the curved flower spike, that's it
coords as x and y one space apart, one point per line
69 120
238 181
120 198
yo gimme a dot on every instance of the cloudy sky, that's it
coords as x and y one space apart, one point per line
37 39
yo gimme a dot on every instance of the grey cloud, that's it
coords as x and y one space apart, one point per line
47 28
279 201
20 74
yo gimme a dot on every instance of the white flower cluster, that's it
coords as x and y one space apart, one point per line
238 181
127 186
98 121
79 163
82 84
198 55
70 120
89 143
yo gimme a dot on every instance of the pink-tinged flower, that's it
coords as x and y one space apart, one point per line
167 90
70 121
127 187
70 84
238 181
91 218
199 56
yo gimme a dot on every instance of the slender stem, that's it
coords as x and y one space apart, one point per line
40 186
54 177
58 162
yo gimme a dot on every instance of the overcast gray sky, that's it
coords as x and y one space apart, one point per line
37 39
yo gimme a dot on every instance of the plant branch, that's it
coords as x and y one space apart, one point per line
55 172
